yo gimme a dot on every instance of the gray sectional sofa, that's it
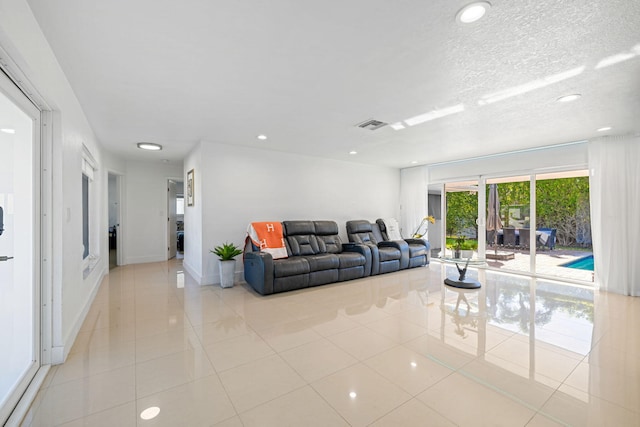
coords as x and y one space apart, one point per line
317 256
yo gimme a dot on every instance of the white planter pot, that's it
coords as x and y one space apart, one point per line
464 254
227 271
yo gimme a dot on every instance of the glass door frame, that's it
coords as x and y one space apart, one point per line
482 212
25 391
532 218
481 220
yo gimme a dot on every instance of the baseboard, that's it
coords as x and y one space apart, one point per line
145 259
192 272
59 353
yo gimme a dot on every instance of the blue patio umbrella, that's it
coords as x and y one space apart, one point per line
494 223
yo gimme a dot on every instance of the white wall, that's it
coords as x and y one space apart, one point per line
192 261
262 185
145 231
22 38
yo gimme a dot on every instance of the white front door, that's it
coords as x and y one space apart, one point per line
19 245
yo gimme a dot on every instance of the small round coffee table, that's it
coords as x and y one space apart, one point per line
461 281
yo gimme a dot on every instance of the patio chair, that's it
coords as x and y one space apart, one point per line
525 240
509 237
551 238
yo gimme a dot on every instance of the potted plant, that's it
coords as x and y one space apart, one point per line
226 262
419 233
458 245
468 248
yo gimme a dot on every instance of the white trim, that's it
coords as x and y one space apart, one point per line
15 73
46 191
22 408
146 259
192 272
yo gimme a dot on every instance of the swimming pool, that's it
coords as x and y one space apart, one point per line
584 263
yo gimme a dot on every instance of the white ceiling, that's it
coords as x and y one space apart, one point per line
304 73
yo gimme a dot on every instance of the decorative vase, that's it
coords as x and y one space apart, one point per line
227 271
466 253
456 253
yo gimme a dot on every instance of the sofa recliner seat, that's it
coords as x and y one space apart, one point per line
317 256
419 249
386 256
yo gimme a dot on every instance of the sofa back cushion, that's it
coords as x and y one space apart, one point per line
389 228
361 231
327 235
301 238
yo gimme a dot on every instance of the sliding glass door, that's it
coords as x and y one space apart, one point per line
509 236
461 219
535 223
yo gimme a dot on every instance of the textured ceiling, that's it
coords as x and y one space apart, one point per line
304 73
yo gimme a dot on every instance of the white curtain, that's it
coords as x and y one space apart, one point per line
614 164
414 189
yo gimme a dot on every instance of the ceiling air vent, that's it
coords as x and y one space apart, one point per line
371 124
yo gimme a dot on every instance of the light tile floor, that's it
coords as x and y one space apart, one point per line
393 350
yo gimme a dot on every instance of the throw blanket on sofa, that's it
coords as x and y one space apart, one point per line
393 228
268 237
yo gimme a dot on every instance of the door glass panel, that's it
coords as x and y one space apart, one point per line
18 358
461 215
564 221
508 246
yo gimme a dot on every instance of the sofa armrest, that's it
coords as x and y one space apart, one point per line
362 250
418 242
258 271
421 242
402 246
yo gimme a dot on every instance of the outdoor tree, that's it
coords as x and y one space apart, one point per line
462 211
563 204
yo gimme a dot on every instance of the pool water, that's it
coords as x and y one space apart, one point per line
584 263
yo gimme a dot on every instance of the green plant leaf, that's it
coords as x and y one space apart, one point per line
227 251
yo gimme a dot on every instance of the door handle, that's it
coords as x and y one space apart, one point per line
5 258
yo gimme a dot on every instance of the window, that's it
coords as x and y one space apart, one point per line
180 205
85 215
90 212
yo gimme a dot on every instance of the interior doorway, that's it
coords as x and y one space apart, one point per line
115 213
175 218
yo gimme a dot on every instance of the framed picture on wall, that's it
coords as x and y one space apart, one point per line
190 188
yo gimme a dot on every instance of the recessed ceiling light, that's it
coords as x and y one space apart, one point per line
150 413
569 98
262 137
604 129
353 395
414 162
11 131
472 12
352 152
149 146
397 126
